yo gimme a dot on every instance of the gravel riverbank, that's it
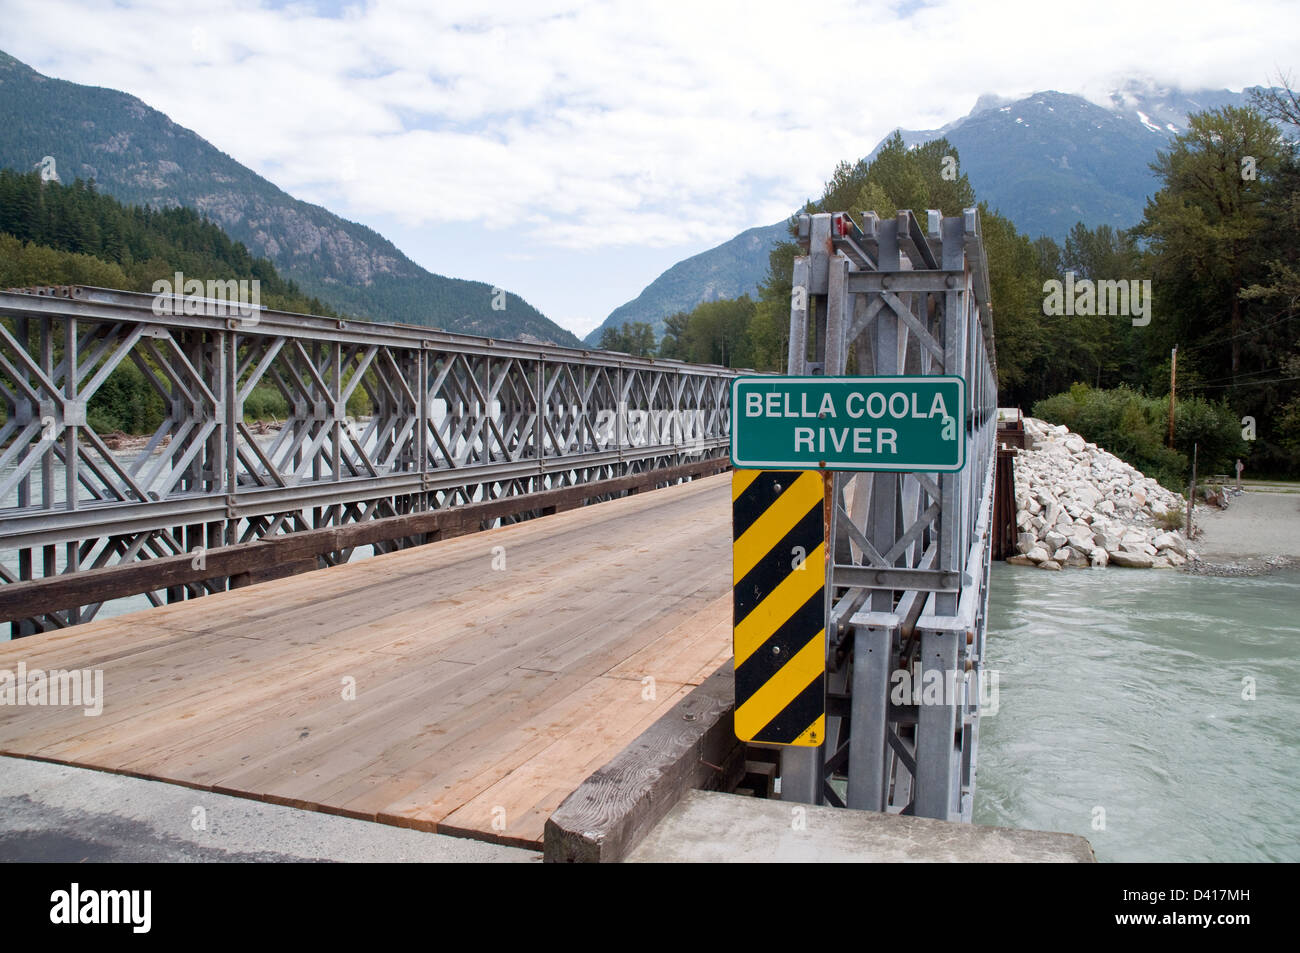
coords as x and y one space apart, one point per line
1257 533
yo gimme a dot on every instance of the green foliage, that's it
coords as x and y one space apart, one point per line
769 335
717 332
1223 248
918 179
1135 427
23 264
1288 426
1026 356
360 404
673 343
1171 520
1203 223
53 235
125 402
265 402
636 338
57 234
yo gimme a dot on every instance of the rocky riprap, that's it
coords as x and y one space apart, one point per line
1077 505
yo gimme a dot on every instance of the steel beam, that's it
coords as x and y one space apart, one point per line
910 569
454 419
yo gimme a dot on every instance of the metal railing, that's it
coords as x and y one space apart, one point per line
909 573
449 420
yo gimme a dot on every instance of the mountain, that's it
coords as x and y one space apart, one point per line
1159 106
1053 159
58 234
1045 161
138 155
730 270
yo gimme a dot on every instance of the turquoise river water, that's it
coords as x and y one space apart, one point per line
1121 713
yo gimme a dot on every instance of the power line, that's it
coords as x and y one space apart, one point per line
1236 377
1200 347
1278 380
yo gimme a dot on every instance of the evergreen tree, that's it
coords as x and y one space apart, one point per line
1203 225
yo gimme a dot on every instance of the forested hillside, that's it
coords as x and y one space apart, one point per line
1219 243
57 234
141 157
732 269
71 234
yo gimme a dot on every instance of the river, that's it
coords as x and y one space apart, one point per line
1121 714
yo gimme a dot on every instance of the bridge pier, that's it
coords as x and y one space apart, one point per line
908 577
712 827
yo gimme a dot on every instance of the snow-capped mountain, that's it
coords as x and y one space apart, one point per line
1046 161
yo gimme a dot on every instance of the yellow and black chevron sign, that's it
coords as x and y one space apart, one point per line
779 591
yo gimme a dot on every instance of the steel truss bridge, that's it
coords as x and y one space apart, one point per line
462 431
909 552
479 428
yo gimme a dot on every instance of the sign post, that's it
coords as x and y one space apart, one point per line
848 423
779 521
779 598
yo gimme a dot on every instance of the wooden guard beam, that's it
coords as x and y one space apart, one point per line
247 563
693 746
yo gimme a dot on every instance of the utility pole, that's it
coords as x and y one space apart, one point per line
1191 493
1173 374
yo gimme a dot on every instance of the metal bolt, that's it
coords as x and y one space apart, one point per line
776 650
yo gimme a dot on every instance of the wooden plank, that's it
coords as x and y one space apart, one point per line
515 808
573 756
456 784
209 678
687 653
475 688
35 728
692 746
494 737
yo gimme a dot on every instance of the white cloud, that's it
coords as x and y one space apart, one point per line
595 124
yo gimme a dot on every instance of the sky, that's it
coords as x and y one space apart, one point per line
571 150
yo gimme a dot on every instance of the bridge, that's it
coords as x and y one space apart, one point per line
460 432
531 614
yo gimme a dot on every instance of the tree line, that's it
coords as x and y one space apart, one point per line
53 234
73 234
1218 247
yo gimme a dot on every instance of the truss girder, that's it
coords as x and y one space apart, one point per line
378 420
910 551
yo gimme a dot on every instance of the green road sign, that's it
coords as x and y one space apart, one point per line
848 423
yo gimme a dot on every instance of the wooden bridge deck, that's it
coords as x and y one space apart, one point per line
482 697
